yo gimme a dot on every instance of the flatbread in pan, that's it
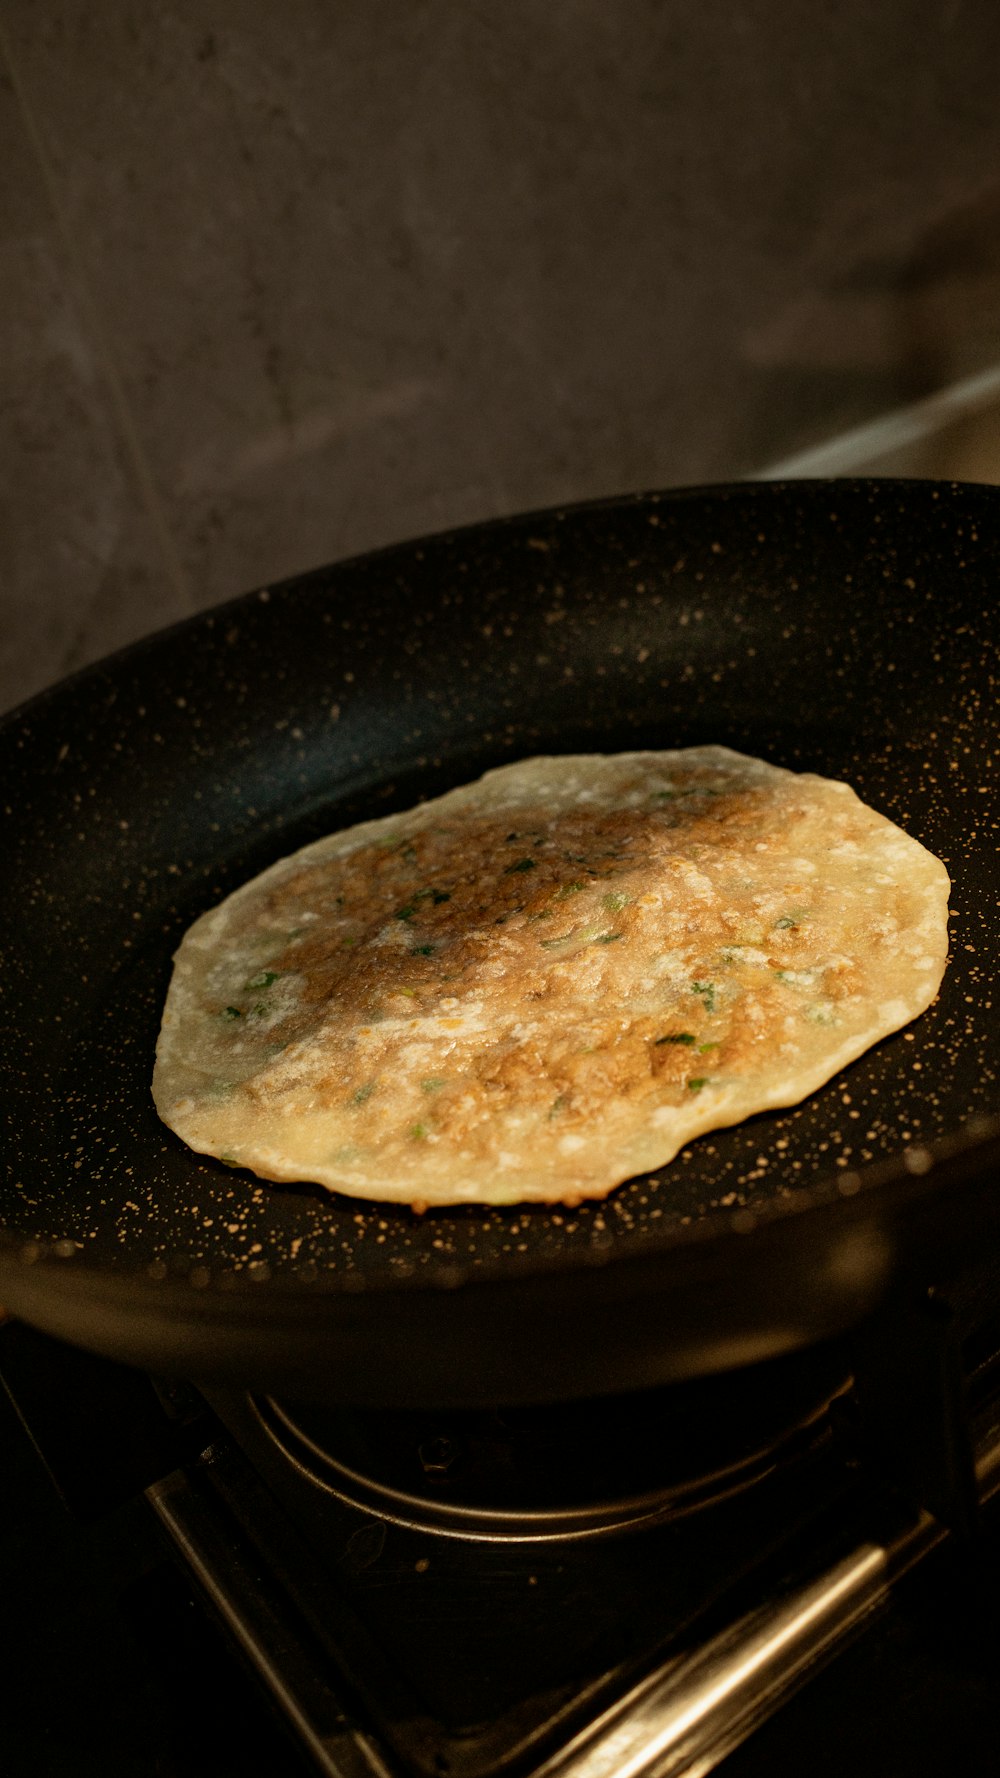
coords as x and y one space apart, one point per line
546 982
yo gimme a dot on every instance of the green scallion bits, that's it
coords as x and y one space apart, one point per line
264 979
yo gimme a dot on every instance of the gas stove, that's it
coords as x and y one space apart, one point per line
664 1583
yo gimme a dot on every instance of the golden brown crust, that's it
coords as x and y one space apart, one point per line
546 982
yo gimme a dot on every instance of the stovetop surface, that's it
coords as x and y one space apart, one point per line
112 1666
484 1653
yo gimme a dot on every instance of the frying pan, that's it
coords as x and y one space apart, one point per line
845 627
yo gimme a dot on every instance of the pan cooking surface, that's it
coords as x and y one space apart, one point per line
843 628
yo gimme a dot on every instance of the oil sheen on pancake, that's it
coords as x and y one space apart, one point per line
546 982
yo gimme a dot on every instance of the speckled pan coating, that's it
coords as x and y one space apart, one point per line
846 628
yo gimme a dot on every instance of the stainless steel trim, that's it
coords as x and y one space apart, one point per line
849 453
285 1663
686 1717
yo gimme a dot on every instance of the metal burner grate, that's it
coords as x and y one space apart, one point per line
567 1471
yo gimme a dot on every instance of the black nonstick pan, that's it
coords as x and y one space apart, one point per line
848 628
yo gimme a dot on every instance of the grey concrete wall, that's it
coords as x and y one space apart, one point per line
283 282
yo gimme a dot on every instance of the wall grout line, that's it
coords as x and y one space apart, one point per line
129 438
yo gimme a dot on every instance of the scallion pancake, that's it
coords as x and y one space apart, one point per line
546 982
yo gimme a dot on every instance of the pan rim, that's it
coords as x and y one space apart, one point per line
722 491
901 1183
898 1185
